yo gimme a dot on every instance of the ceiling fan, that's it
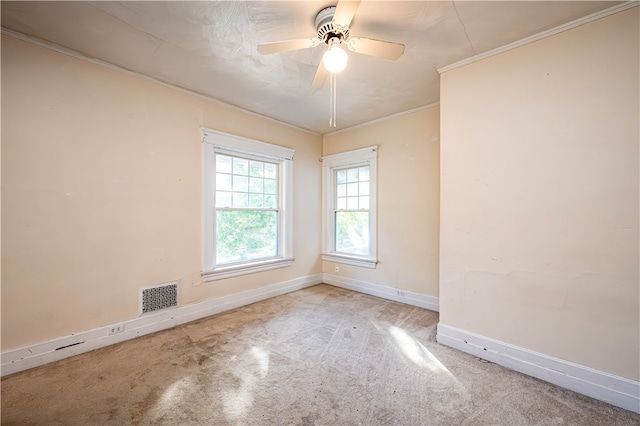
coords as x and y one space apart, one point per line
332 24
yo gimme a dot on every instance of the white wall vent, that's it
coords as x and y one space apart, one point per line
158 297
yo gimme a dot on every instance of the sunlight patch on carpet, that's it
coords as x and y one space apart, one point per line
262 357
416 352
175 394
252 365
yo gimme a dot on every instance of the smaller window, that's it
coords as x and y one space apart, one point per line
351 211
349 188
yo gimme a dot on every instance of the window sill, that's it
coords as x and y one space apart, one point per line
236 270
350 260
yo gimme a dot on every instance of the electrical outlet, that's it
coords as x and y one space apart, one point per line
400 293
115 329
336 269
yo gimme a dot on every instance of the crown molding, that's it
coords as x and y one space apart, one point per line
75 54
388 117
544 34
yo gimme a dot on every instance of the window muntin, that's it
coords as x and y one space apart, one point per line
245 183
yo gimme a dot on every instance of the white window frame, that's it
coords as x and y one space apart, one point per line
218 142
331 163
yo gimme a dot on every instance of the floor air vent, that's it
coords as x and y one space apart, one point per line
159 297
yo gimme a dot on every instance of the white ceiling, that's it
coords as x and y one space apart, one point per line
209 47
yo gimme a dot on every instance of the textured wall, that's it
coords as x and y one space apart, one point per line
408 199
101 190
539 196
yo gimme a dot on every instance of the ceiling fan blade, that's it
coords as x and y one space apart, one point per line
345 10
320 77
378 48
287 45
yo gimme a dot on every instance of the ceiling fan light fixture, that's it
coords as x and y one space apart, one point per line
335 58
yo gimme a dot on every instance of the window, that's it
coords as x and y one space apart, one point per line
349 204
247 205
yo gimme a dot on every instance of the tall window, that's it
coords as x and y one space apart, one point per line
351 210
349 188
246 209
247 205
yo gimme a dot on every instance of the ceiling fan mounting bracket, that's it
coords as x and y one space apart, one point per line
325 27
332 28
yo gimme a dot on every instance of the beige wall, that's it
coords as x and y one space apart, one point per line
539 196
101 189
408 199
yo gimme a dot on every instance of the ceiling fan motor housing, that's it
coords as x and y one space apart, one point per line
325 27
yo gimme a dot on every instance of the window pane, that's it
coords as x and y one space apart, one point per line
352 175
352 232
363 173
246 235
342 190
256 168
255 200
223 164
240 166
363 188
352 203
341 204
341 176
223 182
270 186
223 199
364 203
256 185
240 199
352 189
270 202
270 170
240 183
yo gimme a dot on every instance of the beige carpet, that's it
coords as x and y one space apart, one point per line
320 356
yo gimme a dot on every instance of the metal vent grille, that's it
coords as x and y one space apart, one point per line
159 297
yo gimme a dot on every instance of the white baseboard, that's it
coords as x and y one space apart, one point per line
19 359
615 390
390 293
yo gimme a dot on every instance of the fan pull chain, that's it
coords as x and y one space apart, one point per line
332 100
